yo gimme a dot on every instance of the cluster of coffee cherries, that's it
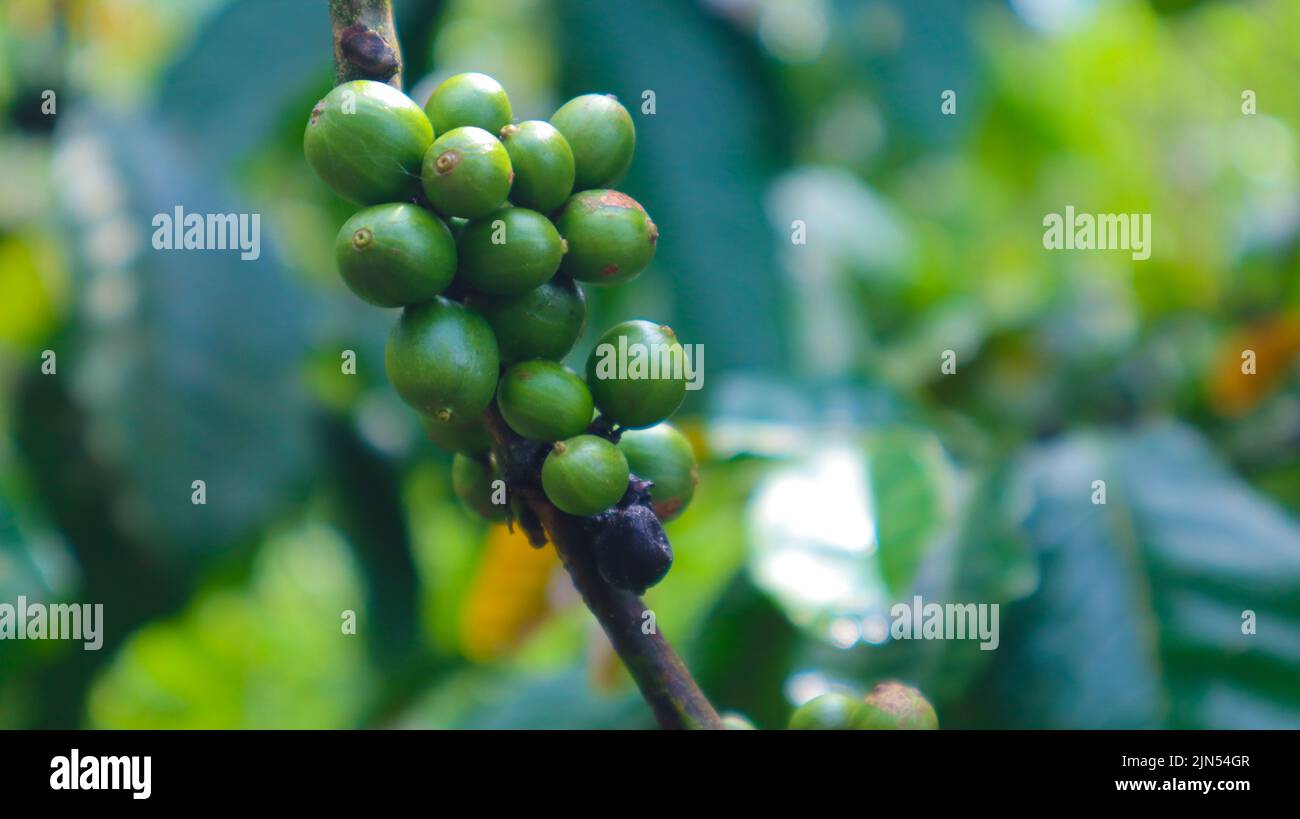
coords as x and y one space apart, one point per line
481 229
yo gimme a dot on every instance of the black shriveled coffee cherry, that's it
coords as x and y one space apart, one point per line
632 551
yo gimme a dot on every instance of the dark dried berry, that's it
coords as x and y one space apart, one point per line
632 551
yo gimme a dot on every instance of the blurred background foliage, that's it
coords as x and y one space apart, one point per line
842 471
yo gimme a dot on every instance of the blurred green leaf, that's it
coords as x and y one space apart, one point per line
232 86
187 362
1138 620
272 655
493 699
34 564
913 489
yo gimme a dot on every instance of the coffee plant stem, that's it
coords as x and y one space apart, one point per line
365 42
659 672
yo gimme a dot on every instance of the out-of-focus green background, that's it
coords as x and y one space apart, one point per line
842 471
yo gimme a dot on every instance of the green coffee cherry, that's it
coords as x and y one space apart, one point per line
395 254
894 706
466 173
366 139
584 475
468 100
543 165
509 252
610 237
542 323
662 455
544 401
466 434
472 482
832 711
637 373
737 722
601 134
442 359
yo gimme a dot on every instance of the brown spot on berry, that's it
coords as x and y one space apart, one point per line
508 131
653 230
617 199
892 698
316 113
609 270
668 508
446 162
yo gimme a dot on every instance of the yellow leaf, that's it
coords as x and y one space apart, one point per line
507 597
1272 344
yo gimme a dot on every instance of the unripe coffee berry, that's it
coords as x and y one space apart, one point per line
442 359
367 140
737 722
542 162
663 456
610 237
544 401
509 252
542 323
466 172
600 132
894 706
637 373
832 711
395 254
471 481
468 100
584 475
464 434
